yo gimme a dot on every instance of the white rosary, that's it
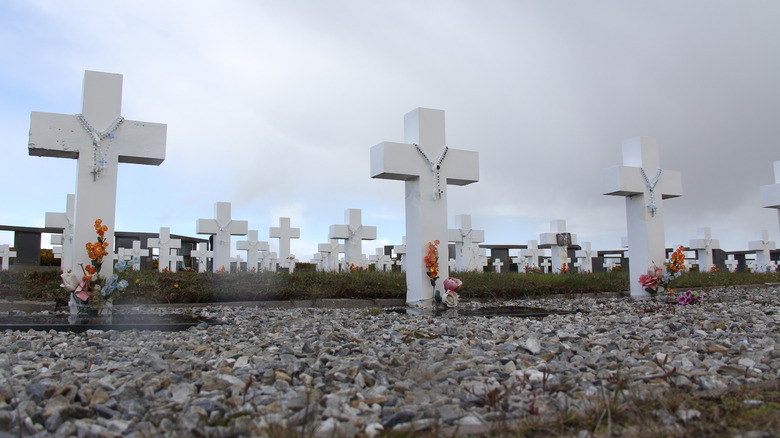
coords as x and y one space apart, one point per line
435 167
221 229
651 187
352 232
98 158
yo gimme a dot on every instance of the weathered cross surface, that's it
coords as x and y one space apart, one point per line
165 244
99 139
466 243
353 233
222 227
64 221
704 246
254 249
427 166
770 194
585 255
284 233
558 240
202 254
6 254
762 247
644 185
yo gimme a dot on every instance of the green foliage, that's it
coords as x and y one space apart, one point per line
192 287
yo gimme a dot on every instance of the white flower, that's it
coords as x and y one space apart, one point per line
451 299
70 281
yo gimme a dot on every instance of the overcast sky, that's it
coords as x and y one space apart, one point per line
273 106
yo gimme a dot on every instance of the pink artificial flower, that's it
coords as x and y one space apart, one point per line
649 281
452 284
81 291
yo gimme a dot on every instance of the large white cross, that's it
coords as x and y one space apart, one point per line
644 184
558 240
284 233
99 140
466 243
426 166
585 256
704 246
332 249
353 233
202 253
64 221
762 247
222 227
165 244
770 194
254 248
6 254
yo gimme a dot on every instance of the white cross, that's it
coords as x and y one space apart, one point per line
222 227
732 263
56 249
451 263
254 248
770 194
270 261
353 233
546 266
497 264
585 255
426 191
284 233
531 254
558 242
332 249
6 254
237 260
644 184
400 252
136 253
202 254
762 247
466 240
166 244
98 153
175 258
381 260
703 247
64 221
482 258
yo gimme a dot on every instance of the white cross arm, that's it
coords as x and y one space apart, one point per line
770 194
62 136
704 243
209 226
455 235
401 161
628 181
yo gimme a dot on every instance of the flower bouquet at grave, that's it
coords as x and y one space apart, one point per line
91 293
451 297
656 280
689 297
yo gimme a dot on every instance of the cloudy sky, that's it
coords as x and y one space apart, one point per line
273 106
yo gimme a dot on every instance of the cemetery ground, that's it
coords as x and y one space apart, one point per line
615 368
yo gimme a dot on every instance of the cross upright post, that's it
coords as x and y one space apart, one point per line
332 249
427 166
762 247
202 253
770 194
98 153
166 246
222 227
284 233
400 252
254 248
585 255
644 185
64 221
558 240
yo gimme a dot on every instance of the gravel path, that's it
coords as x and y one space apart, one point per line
348 371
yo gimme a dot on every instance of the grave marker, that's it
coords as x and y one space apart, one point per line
202 253
762 247
558 240
644 185
466 243
136 253
353 233
585 257
704 246
284 233
98 153
400 251
427 166
6 254
497 264
222 227
165 244
732 263
254 249
64 221
381 260
532 253
332 249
